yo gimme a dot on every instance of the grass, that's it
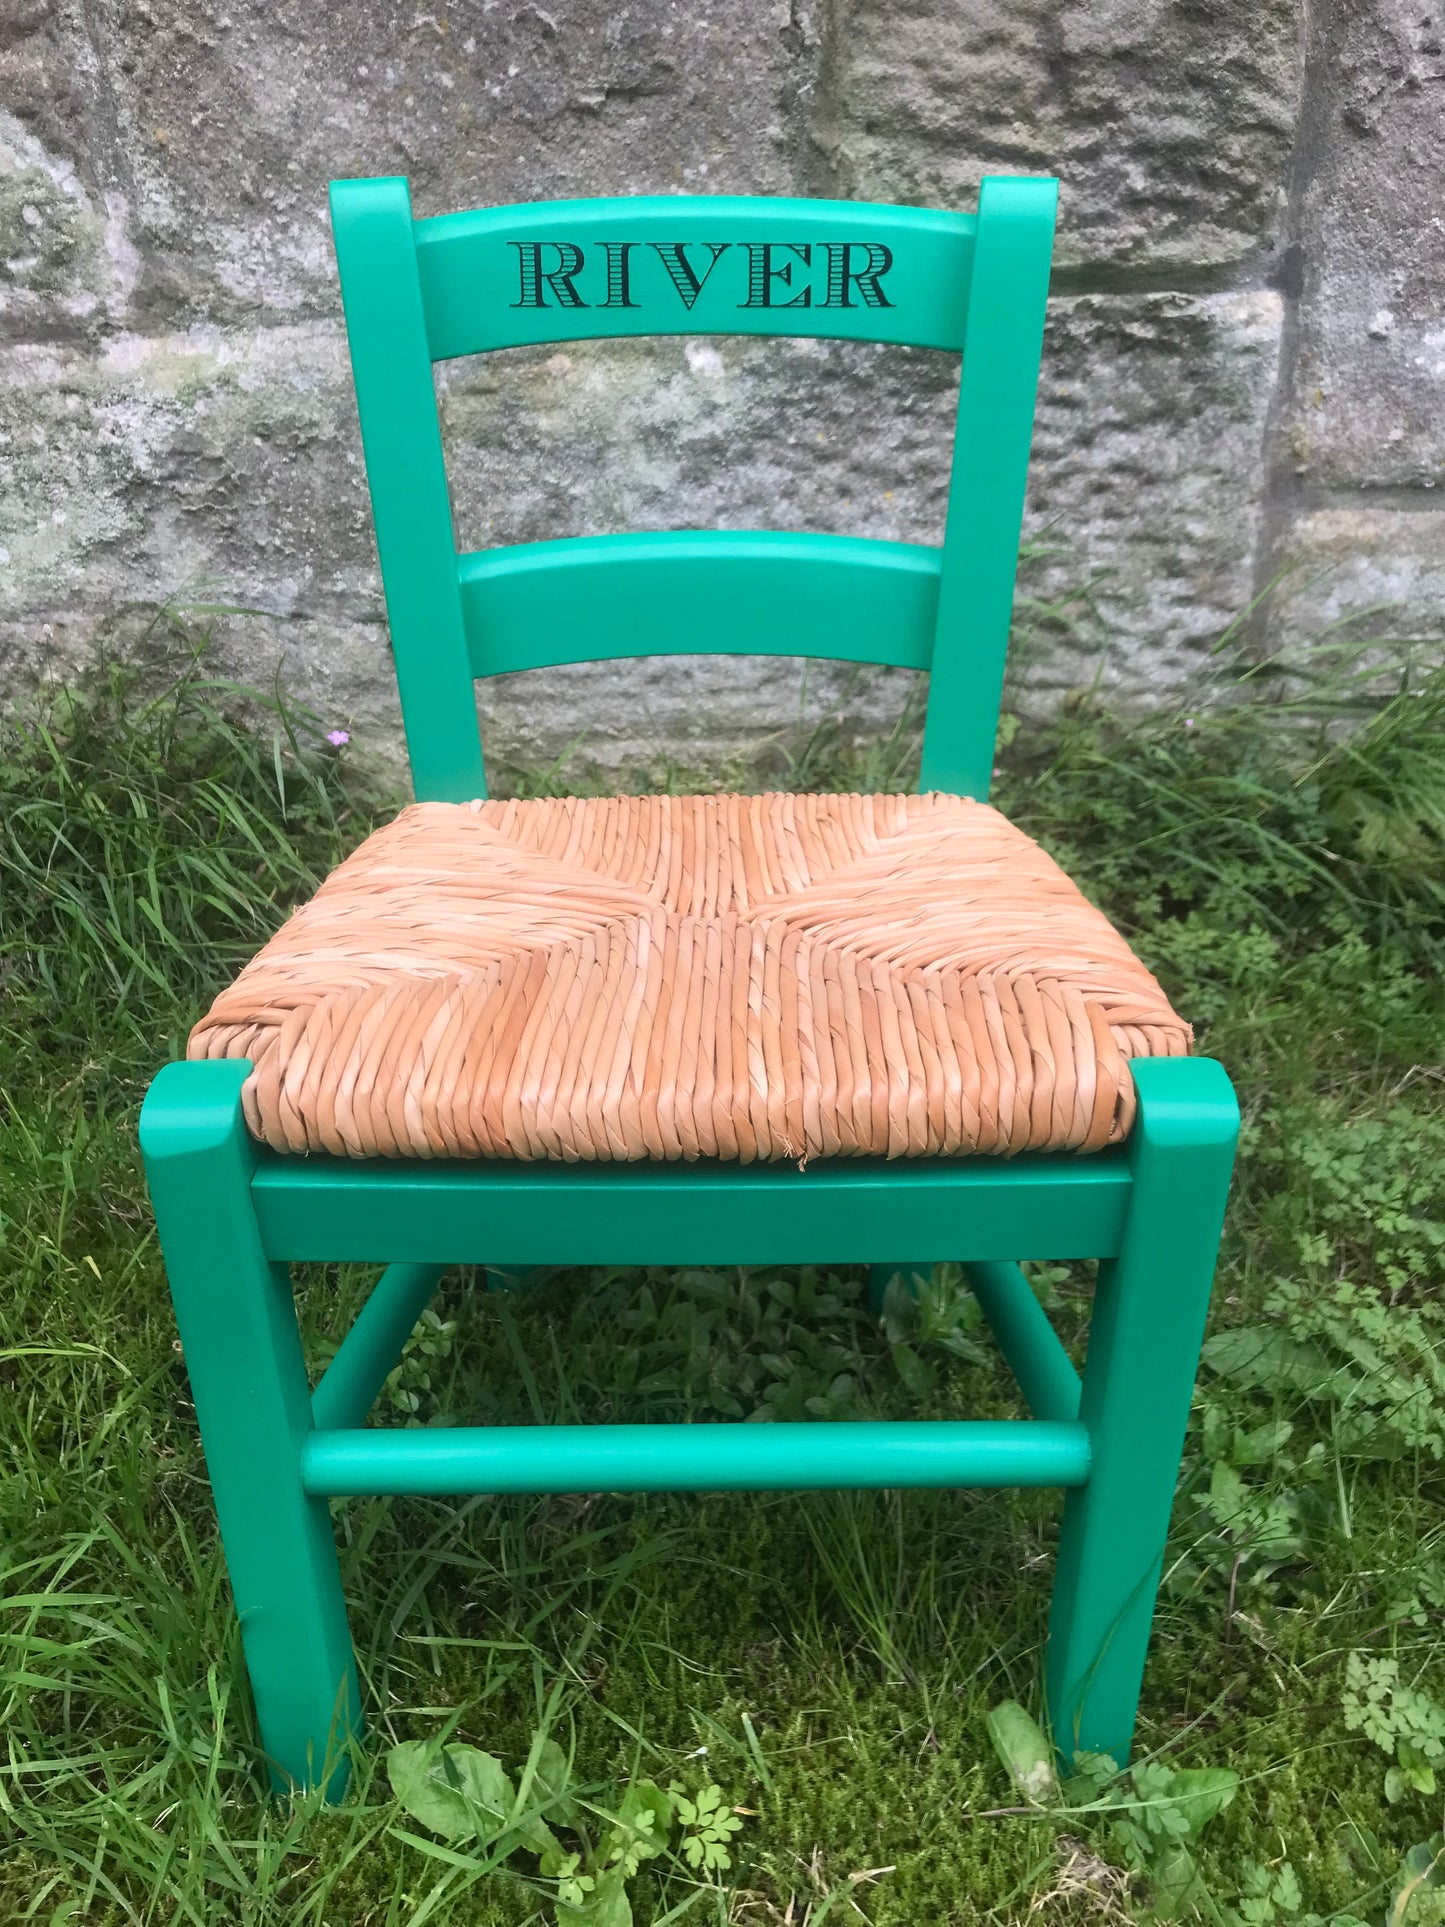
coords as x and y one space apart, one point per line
829 1661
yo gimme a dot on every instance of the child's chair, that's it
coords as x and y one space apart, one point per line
681 1030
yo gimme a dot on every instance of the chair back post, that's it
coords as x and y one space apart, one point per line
401 437
1003 343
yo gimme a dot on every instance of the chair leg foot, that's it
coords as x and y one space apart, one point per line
1144 1341
243 1355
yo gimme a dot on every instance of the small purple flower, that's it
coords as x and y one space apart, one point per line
338 737
998 769
1189 722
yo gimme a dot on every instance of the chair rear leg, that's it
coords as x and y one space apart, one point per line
243 1353
1148 1323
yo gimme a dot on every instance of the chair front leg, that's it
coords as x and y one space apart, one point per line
243 1354
1144 1340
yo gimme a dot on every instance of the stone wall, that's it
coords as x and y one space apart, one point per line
1245 372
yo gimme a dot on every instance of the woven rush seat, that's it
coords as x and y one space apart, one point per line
693 976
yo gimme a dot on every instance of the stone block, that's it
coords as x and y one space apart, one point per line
705 433
1369 404
1170 125
1353 575
67 261
223 120
1147 480
160 465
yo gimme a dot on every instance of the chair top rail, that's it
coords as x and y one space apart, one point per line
510 277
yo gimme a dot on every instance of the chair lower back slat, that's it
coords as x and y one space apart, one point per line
711 592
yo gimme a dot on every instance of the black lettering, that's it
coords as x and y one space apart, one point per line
558 278
762 273
619 274
841 273
683 275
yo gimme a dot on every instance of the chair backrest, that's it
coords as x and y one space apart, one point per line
418 292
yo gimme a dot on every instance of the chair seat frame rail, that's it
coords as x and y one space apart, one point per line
234 1216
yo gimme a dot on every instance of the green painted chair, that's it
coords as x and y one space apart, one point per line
234 1214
